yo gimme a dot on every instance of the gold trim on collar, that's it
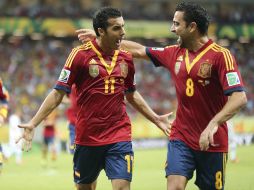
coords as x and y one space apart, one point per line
200 55
108 67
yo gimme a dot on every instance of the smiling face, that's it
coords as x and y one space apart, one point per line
181 29
112 36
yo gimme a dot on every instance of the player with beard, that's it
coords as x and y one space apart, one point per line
104 76
209 91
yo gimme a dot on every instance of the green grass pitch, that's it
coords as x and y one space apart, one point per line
148 172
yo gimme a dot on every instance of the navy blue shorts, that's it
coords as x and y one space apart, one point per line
209 166
48 140
71 128
116 159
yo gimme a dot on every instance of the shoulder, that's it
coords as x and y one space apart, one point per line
82 50
220 50
125 54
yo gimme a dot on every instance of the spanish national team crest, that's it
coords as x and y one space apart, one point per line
93 70
177 67
92 61
124 69
205 70
178 64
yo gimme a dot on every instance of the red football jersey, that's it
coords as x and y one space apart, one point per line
3 93
71 112
101 81
203 79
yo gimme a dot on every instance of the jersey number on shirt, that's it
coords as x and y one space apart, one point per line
189 87
110 85
129 159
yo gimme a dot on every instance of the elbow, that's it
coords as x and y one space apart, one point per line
244 101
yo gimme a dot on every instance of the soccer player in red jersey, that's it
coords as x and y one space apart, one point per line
209 91
3 114
104 76
71 114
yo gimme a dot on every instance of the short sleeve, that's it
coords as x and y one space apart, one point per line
161 56
229 74
70 71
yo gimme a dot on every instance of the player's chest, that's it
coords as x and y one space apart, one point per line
195 66
108 66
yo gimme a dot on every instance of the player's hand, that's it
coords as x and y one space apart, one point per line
164 123
27 136
85 35
206 137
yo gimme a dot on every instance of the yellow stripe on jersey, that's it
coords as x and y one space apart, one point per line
227 56
73 53
194 61
171 46
225 158
110 67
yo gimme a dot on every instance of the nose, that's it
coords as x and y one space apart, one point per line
172 28
122 32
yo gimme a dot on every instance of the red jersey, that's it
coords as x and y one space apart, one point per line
72 110
101 81
203 79
4 96
49 124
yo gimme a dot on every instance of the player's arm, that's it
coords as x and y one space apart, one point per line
137 50
49 104
236 101
137 101
53 99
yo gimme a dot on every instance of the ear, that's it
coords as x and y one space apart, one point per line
101 31
193 26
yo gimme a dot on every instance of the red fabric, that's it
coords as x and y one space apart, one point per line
209 84
72 110
101 113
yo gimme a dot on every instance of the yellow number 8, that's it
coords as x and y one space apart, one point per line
189 87
218 178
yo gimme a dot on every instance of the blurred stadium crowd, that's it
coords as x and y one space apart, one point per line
30 68
221 11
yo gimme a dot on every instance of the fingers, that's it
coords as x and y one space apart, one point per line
26 146
17 141
81 31
26 126
167 132
203 143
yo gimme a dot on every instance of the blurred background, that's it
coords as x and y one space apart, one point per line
36 37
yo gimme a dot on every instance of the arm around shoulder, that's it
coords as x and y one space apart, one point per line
137 50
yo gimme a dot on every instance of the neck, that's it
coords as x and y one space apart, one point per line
197 43
103 46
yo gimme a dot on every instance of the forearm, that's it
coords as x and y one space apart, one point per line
137 101
137 50
235 102
49 104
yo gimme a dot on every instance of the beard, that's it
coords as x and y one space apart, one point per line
180 42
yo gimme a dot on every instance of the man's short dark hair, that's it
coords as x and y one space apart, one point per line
100 18
195 13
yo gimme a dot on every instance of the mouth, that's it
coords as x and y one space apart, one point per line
118 42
